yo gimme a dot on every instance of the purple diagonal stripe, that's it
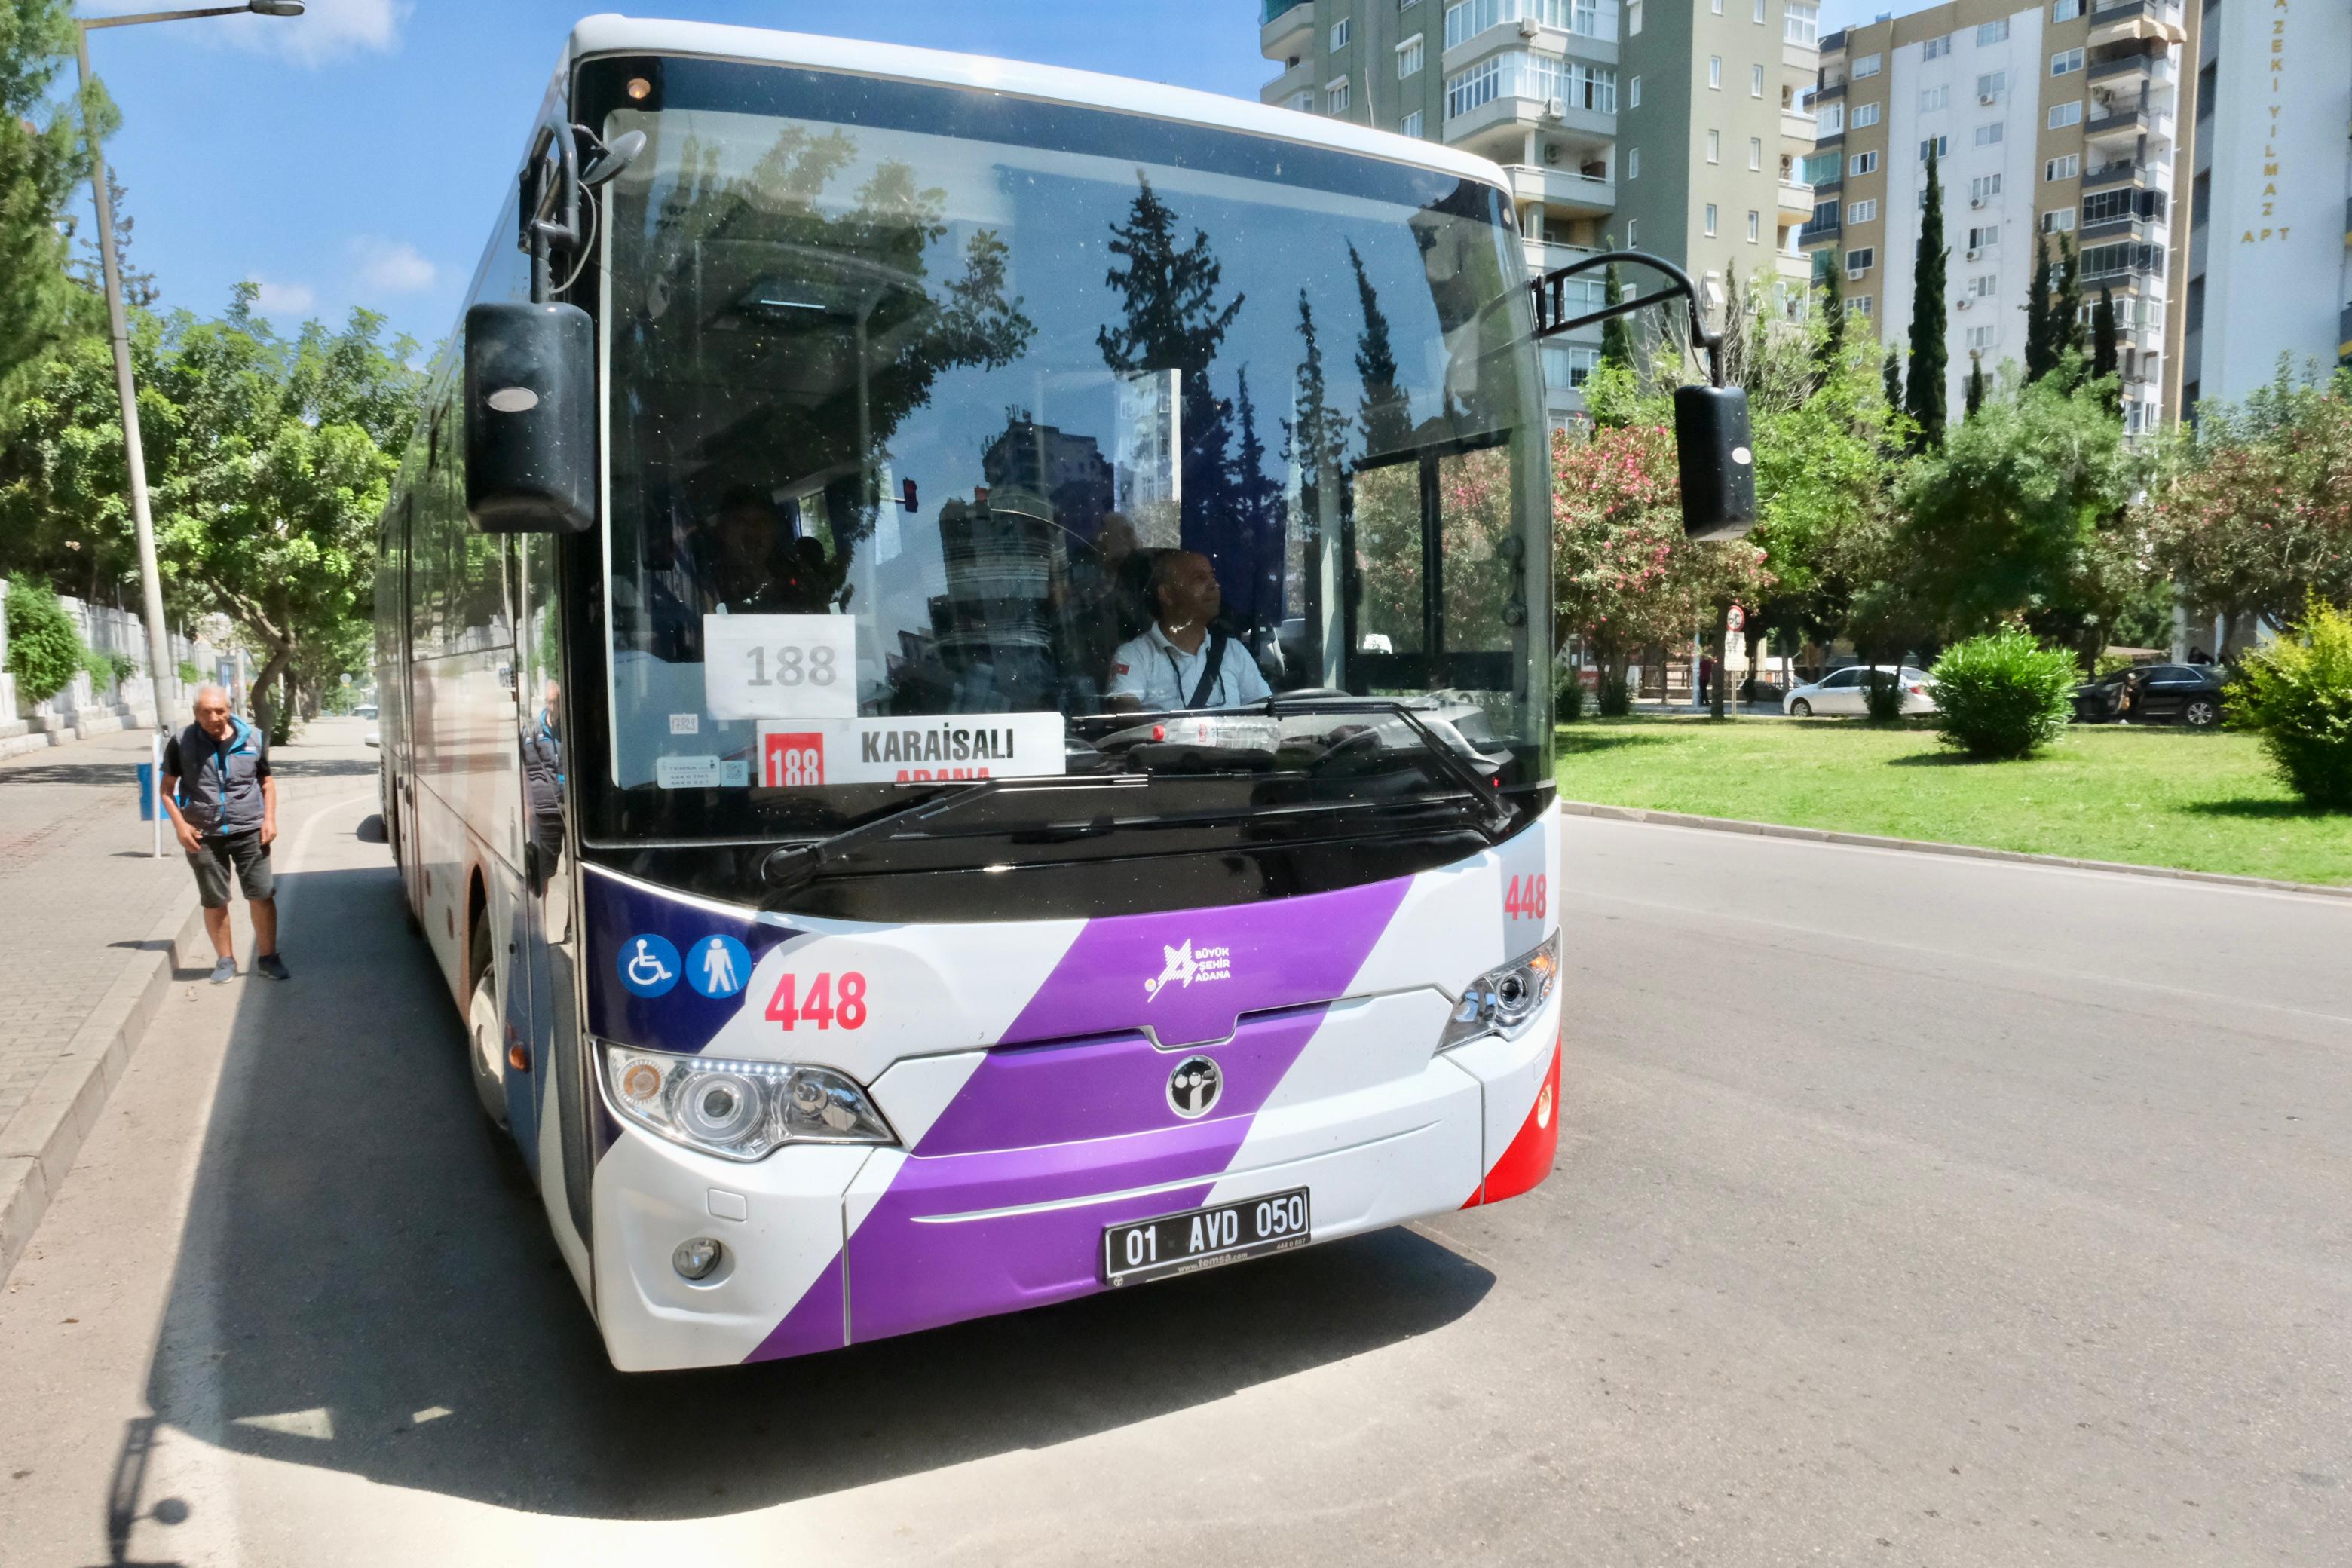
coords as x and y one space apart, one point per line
813 1324
910 1270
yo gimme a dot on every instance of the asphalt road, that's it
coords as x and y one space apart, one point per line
1909 1210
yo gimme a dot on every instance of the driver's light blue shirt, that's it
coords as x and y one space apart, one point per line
1162 676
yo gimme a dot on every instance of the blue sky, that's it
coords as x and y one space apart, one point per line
356 155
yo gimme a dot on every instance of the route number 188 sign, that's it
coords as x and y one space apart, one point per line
780 667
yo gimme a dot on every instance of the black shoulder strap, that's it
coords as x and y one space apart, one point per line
1209 671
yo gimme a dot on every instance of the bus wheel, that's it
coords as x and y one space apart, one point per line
485 1035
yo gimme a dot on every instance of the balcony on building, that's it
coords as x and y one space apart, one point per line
1585 30
1568 190
2117 21
1286 87
1286 30
2124 169
1797 198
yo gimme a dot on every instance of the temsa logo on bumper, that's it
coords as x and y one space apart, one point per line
1187 965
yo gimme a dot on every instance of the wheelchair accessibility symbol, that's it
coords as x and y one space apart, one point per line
648 965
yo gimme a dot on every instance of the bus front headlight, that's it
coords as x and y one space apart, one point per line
738 1111
1499 1001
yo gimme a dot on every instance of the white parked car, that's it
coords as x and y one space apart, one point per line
1841 691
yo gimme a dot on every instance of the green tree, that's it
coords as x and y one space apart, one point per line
42 156
2066 320
2253 512
1924 399
1975 388
1387 412
274 457
1832 348
2008 519
2105 360
2040 354
1616 332
1891 374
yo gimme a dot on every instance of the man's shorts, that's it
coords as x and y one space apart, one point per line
242 852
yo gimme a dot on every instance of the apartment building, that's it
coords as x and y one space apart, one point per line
2061 116
1676 125
2270 265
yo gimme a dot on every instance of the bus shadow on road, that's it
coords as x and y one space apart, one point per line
367 1283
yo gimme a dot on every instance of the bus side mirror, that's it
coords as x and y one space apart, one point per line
531 419
1718 462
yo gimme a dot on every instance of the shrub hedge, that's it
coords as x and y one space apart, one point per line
45 650
2296 693
2003 695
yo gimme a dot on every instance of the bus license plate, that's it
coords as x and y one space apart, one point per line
1204 1238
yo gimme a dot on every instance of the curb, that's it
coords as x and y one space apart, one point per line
1929 847
38 1144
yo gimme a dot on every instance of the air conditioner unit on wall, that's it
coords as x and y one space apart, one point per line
1988 97
1529 27
1961 303
1976 201
1551 153
1555 108
1973 254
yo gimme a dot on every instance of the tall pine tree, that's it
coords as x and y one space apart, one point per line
1616 334
1387 415
2066 322
1172 321
2106 359
1892 372
1975 388
1925 398
2039 354
1833 348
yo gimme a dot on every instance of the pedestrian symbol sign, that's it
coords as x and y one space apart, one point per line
718 966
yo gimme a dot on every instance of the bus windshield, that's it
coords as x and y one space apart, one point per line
954 436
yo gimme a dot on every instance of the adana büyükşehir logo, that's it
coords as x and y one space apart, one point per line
1188 964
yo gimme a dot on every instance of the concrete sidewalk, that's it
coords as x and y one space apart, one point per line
87 918
96 931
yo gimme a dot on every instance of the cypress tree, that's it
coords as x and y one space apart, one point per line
2066 324
1893 374
1386 413
2105 360
1975 388
1925 398
1616 337
2038 356
1833 318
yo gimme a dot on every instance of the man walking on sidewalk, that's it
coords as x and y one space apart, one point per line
224 806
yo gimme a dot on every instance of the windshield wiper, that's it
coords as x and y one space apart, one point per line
792 866
1453 757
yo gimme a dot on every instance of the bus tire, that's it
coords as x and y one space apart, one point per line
486 1048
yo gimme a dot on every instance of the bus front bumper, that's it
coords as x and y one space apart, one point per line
1001 1205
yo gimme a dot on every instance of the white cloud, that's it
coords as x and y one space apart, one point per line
388 267
329 30
281 298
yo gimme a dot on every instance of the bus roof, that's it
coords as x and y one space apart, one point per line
611 34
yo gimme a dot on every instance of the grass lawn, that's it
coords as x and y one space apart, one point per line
2152 797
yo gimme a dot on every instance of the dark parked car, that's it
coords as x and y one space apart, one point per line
2154 694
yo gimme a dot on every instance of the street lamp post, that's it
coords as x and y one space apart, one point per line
161 673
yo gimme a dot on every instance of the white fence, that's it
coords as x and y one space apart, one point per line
87 707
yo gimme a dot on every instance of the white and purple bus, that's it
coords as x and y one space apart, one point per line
852 939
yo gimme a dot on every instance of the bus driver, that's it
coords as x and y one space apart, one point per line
1180 661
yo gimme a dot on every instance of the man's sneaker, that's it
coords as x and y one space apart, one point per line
272 965
223 972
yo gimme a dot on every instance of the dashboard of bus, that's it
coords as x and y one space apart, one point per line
953 438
